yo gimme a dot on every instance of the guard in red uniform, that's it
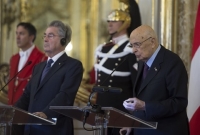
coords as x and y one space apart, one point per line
29 53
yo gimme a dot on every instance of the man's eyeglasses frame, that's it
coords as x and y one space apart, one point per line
138 44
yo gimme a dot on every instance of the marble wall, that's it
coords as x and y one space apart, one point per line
174 22
187 10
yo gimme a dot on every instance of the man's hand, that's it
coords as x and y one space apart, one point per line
125 131
40 114
133 104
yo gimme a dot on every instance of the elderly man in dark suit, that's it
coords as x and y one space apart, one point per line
160 93
54 83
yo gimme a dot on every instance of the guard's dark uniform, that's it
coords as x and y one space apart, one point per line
109 57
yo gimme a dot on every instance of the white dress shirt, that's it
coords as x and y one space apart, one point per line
24 55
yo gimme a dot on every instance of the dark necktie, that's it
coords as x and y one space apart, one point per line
47 68
145 70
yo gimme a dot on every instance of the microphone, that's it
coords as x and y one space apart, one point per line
102 89
114 70
28 63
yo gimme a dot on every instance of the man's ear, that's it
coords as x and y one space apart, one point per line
153 42
32 37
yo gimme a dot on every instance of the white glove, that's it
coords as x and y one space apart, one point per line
133 104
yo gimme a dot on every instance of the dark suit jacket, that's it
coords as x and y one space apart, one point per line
164 91
58 88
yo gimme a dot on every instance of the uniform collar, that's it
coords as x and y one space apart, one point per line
27 52
117 39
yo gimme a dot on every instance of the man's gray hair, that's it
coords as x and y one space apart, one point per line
63 30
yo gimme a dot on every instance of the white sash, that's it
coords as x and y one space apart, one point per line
110 55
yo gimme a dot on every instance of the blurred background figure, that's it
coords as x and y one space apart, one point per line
4 69
28 56
116 56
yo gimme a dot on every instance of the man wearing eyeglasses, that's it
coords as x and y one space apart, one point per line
54 82
160 93
29 53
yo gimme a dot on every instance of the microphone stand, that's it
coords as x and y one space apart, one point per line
114 70
97 108
28 63
101 119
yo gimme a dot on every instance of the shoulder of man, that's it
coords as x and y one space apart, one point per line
40 54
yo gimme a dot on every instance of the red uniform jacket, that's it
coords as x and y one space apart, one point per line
17 85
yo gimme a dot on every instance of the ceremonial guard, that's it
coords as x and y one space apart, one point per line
22 63
116 56
116 65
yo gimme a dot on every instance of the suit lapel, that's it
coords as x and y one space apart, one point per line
56 66
151 74
155 67
38 77
138 80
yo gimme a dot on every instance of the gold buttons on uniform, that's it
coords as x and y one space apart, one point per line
16 82
116 64
110 80
119 59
